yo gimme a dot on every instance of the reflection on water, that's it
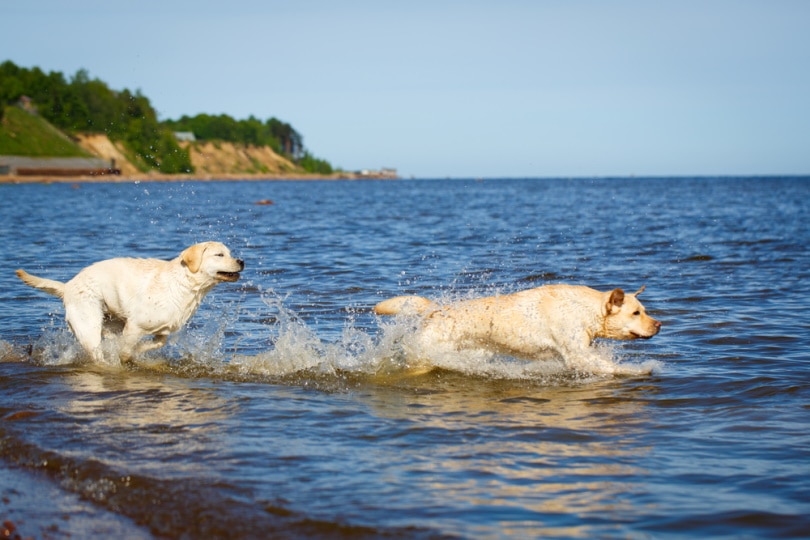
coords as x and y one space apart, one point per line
493 447
560 450
169 420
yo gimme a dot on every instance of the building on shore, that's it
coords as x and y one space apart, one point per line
385 172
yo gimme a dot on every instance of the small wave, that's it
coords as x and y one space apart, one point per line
55 347
393 354
182 507
695 258
296 351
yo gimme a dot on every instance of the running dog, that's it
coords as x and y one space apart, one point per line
527 324
138 297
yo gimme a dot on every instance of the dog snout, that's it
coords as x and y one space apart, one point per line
241 264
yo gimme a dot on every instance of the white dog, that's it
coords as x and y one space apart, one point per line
139 297
527 324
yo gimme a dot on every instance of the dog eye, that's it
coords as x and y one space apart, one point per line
219 255
636 313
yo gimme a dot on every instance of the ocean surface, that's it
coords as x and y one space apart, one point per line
286 409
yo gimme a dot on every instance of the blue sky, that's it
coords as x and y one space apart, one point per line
446 88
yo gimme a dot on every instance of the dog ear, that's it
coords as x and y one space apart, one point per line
641 290
616 299
192 257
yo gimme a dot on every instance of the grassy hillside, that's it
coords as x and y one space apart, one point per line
25 134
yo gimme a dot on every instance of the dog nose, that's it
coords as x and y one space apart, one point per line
241 263
658 324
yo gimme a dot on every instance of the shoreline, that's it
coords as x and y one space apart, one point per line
66 515
156 177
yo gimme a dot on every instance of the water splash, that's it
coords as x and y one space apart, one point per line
395 353
295 351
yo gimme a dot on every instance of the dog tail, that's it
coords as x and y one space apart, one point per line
404 305
56 288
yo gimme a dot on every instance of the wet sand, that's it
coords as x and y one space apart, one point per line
32 506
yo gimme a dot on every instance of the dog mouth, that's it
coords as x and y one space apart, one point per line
228 276
641 336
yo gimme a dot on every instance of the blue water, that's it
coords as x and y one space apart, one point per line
285 408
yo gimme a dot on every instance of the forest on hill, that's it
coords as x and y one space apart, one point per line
82 104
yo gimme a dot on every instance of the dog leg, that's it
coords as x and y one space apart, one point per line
129 345
580 356
85 321
592 362
150 345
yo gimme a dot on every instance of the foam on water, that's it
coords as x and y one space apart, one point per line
394 352
295 349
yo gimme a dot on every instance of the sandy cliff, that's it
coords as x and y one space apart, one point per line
213 158
208 158
102 147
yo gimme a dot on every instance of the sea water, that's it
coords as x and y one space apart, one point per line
287 409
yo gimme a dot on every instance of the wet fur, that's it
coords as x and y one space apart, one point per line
135 298
528 324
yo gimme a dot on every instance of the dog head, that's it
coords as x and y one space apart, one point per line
626 318
212 260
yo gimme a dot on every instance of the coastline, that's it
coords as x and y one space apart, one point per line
23 515
157 177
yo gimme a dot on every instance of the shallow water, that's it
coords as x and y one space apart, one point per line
286 408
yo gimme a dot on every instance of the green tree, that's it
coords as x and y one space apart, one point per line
292 144
89 105
11 86
310 163
278 135
153 143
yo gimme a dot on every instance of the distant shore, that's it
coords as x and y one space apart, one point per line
155 177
